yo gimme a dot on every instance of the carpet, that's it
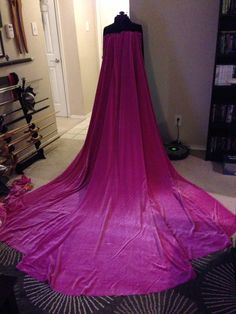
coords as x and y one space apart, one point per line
213 291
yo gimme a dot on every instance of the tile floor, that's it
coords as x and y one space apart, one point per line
79 131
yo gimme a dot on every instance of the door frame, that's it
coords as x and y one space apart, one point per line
62 54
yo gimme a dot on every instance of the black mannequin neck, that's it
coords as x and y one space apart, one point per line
122 23
122 18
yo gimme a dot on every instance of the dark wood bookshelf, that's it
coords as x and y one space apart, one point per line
221 138
227 22
218 157
226 59
224 94
226 129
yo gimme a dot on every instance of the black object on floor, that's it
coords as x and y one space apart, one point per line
7 296
4 190
177 151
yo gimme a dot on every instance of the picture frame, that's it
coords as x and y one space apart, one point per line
2 52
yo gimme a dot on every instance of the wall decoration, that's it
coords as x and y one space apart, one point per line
2 53
0 20
18 26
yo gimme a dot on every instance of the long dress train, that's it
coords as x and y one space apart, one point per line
119 220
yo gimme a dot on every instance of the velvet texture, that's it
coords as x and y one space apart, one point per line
119 220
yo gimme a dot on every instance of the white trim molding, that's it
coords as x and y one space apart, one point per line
198 147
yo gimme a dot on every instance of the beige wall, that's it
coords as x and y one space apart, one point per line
34 70
180 40
85 13
71 58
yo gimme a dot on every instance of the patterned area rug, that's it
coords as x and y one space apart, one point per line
214 291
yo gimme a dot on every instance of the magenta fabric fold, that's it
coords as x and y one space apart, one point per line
119 220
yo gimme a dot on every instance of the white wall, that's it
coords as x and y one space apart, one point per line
82 23
106 12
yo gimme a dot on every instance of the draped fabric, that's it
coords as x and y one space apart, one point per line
119 220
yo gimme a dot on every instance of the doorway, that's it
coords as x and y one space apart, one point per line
74 75
54 59
106 11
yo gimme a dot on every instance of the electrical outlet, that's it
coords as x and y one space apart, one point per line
34 29
178 120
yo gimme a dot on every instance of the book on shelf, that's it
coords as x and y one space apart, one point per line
224 74
228 7
223 113
227 43
222 144
229 113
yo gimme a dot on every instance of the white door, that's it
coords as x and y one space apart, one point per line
54 56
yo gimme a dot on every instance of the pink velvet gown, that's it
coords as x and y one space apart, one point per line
119 220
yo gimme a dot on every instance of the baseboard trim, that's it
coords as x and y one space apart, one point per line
198 147
74 116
